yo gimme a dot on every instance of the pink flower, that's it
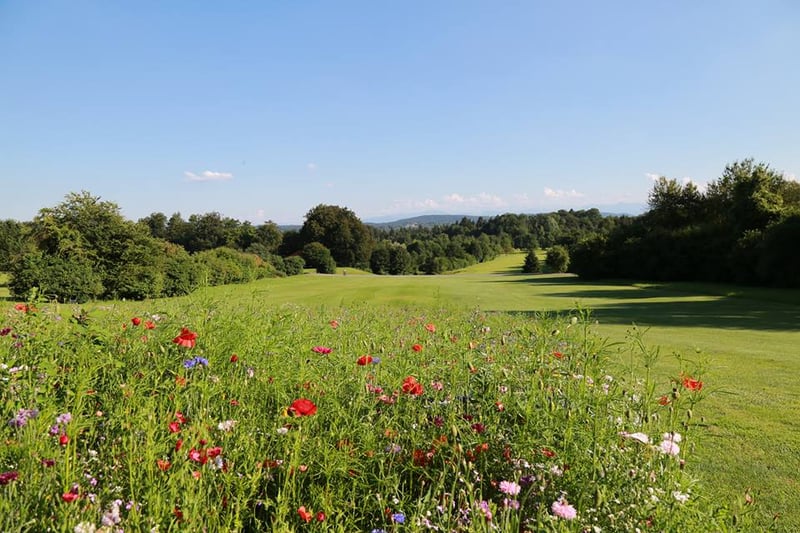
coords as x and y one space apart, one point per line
564 510
669 447
509 487
324 350
431 327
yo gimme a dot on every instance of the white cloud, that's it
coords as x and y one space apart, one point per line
559 193
788 176
652 176
260 213
311 167
208 175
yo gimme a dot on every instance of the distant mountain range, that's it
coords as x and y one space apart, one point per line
426 221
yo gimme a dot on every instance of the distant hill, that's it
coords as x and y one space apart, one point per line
427 221
422 221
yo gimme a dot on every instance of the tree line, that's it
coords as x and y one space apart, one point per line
84 248
744 228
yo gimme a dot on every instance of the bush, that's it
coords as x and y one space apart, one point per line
65 279
294 265
557 259
318 257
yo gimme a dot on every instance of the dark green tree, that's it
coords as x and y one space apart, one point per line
340 231
531 264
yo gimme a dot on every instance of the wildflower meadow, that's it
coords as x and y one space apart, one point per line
195 415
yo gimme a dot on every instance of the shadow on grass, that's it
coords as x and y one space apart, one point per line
663 305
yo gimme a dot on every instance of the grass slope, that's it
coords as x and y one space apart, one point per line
746 338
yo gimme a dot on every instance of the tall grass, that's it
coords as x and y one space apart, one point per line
354 418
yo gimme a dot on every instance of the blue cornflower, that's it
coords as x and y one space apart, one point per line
194 361
399 518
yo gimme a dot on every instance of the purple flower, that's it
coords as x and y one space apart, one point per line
4 332
399 518
64 418
22 417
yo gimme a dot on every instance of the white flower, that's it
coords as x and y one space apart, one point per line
85 527
674 437
282 431
641 437
227 425
682 497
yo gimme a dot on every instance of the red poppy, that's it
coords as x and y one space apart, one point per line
548 452
422 458
178 444
302 407
364 360
664 400
63 440
558 355
324 350
174 427
321 516
431 328
186 339
149 325
412 386
136 321
304 515
214 451
334 324
417 347
21 307
692 384
163 464
234 358
69 497
198 456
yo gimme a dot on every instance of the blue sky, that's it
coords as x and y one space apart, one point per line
262 110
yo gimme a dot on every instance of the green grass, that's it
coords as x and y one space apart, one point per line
4 292
745 338
473 421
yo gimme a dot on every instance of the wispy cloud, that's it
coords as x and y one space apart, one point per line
208 175
652 176
788 176
311 167
559 193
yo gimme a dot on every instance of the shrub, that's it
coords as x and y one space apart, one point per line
63 278
557 259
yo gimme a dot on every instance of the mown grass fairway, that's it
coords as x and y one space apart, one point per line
748 340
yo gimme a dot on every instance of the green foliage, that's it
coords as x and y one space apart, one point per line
725 234
340 231
531 264
318 257
293 265
557 259
61 278
222 266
